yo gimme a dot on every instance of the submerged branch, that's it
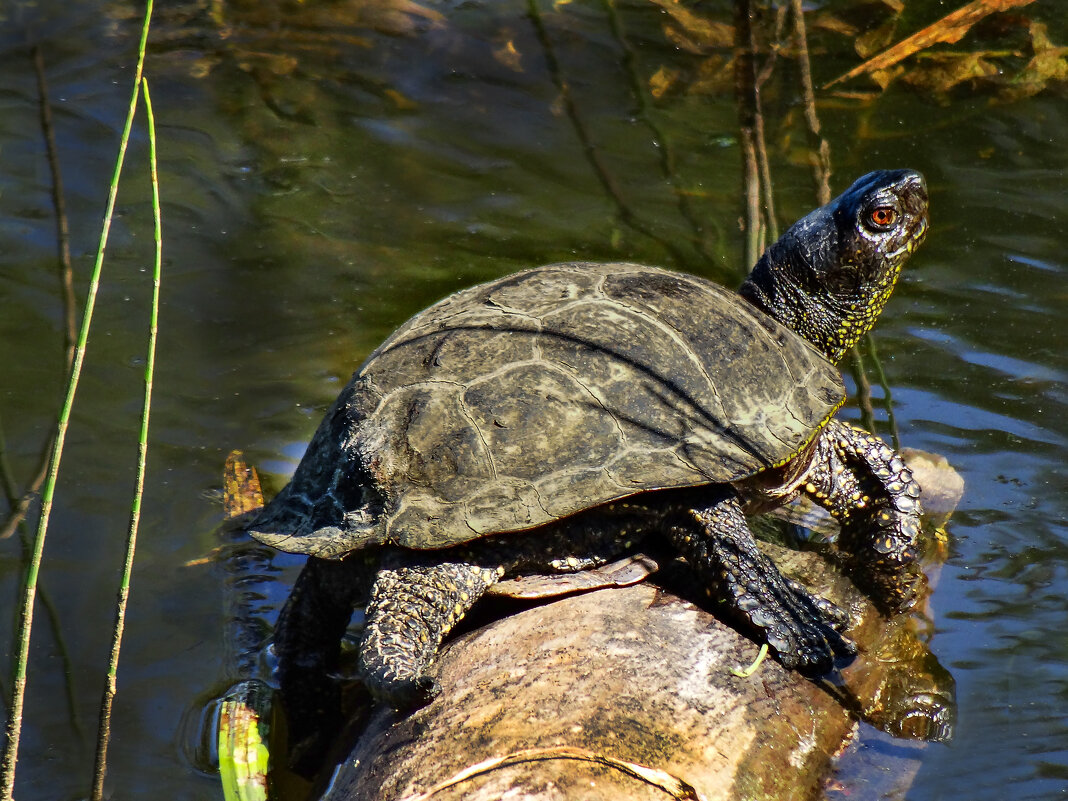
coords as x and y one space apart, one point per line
593 155
888 400
761 140
761 223
744 83
820 158
660 138
21 503
949 29
60 204
860 378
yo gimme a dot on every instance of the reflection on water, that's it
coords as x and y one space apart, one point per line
323 180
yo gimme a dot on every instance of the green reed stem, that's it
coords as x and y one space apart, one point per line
18 690
104 732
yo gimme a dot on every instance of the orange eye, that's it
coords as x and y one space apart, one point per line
883 216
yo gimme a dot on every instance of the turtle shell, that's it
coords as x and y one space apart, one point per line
521 401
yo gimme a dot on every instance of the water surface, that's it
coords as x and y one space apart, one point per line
326 176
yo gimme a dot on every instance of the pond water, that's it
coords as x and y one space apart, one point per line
327 170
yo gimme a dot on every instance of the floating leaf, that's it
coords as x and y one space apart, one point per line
661 81
883 78
508 56
699 34
682 41
400 101
943 71
876 39
831 23
950 29
1048 64
715 75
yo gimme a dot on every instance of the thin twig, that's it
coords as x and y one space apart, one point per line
760 140
821 156
46 601
104 733
660 137
860 378
60 204
18 690
20 504
11 492
762 225
754 225
593 155
744 89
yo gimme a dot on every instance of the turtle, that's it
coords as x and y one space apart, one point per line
553 419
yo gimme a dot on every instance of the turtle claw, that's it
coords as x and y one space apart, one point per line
843 652
404 695
804 631
814 662
835 615
812 647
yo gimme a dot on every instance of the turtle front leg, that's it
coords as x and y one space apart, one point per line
716 540
868 489
411 610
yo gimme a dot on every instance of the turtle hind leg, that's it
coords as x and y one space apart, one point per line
411 610
307 644
716 540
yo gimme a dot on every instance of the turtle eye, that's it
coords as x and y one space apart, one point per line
883 216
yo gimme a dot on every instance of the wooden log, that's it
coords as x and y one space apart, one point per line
629 694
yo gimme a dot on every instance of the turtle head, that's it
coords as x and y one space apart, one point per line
830 275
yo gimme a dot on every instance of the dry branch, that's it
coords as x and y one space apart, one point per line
949 29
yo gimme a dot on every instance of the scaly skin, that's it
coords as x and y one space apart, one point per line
860 480
830 275
716 540
413 607
415 600
411 611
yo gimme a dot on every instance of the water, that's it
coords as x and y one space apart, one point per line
324 177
